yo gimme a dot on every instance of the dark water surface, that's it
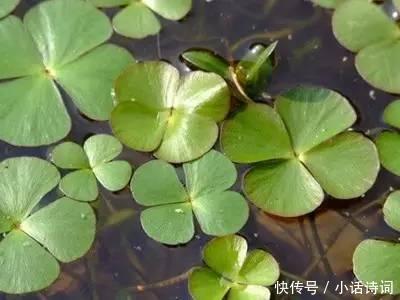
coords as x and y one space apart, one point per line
123 261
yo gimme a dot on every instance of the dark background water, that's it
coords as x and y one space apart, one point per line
124 264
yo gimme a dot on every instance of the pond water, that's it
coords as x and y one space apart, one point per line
123 263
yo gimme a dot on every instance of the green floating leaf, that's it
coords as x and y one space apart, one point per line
92 162
346 166
354 18
207 61
391 210
233 272
266 186
179 116
379 63
169 218
378 60
255 68
137 20
300 142
44 49
26 265
7 6
377 261
391 114
388 144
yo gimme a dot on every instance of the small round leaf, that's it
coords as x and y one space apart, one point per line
69 155
255 134
267 187
226 255
65 227
346 166
170 224
391 210
25 266
377 261
354 18
206 284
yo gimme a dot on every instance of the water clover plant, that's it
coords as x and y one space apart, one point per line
175 117
247 78
378 58
137 18
233 273
171 205
7 6
301 143
35 235
378 260
94 162
47 48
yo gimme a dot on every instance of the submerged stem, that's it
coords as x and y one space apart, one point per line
160 284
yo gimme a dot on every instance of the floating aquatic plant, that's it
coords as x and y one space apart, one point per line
35 235
7 6
94 162
137 18
175 117
363 27
169 218
46 48
232 272
247 78
378 260
302 149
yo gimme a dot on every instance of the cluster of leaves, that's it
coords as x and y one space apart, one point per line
156 110
377 260
232 272
363 27
169 218
36 235
247 78
92 162
44 49
137 20
302 142
7 6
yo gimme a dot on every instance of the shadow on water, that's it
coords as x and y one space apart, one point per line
316 247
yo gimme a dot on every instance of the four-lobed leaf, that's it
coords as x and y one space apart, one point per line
137 18
378 58
233 272
175 117
47 48
36 236
171 206
300 142
94 162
